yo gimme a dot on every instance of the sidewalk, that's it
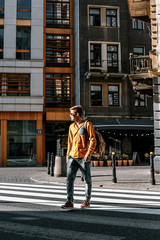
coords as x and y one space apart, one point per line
135 178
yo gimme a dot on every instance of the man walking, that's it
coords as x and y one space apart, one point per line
81 145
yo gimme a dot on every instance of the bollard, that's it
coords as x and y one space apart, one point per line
114 179
48 162
152 169
52 164
60 166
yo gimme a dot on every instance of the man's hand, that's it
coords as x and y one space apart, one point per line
87 158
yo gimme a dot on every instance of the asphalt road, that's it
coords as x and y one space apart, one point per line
24 220
27 221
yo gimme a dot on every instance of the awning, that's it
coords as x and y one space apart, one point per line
121 123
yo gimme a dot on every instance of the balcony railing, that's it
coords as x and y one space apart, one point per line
142 64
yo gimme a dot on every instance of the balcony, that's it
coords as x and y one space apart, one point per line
141 65
140 74
139 9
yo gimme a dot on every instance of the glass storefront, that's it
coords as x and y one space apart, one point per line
21 143
57 138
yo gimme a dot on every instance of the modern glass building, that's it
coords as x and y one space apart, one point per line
36 77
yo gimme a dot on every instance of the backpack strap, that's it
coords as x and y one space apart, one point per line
85 124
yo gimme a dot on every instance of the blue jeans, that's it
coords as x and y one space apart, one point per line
72 168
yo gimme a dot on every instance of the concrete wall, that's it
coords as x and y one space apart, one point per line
10 14
37 30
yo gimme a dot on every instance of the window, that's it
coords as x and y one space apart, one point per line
1 41
14 84
1 8
103 16
23 9
96 95
95 55
57 13
23 43
94 17
138 51
21 141
112 58
140 99
137 24
58 92
111 17
57 50
113 95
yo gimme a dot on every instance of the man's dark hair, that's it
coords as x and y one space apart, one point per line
78 108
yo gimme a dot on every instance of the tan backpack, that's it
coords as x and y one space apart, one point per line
101 145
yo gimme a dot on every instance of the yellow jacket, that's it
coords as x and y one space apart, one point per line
77 147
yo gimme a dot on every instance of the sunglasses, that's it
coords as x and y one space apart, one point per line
72 114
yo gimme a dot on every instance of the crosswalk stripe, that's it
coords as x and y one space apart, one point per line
55 195
94 199
51 186
103 194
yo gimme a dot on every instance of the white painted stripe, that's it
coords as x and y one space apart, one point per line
103 194
82 188
98 207
94 199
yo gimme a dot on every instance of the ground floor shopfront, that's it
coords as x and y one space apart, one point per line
22 139
26 138
129 138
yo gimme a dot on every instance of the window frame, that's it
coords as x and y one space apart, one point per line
55 86
135 24
94 16
105 102
23 50
24 10
113 95
139 99
139 54
2 10
1 49
104 64
53 18
101 92
7 89
59 45
112 61
112 17
94 53
103 15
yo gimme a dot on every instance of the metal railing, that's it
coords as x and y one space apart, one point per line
141 64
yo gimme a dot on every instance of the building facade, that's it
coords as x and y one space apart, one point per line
55 54
21 74
37 77
122 109
149 11
58 73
